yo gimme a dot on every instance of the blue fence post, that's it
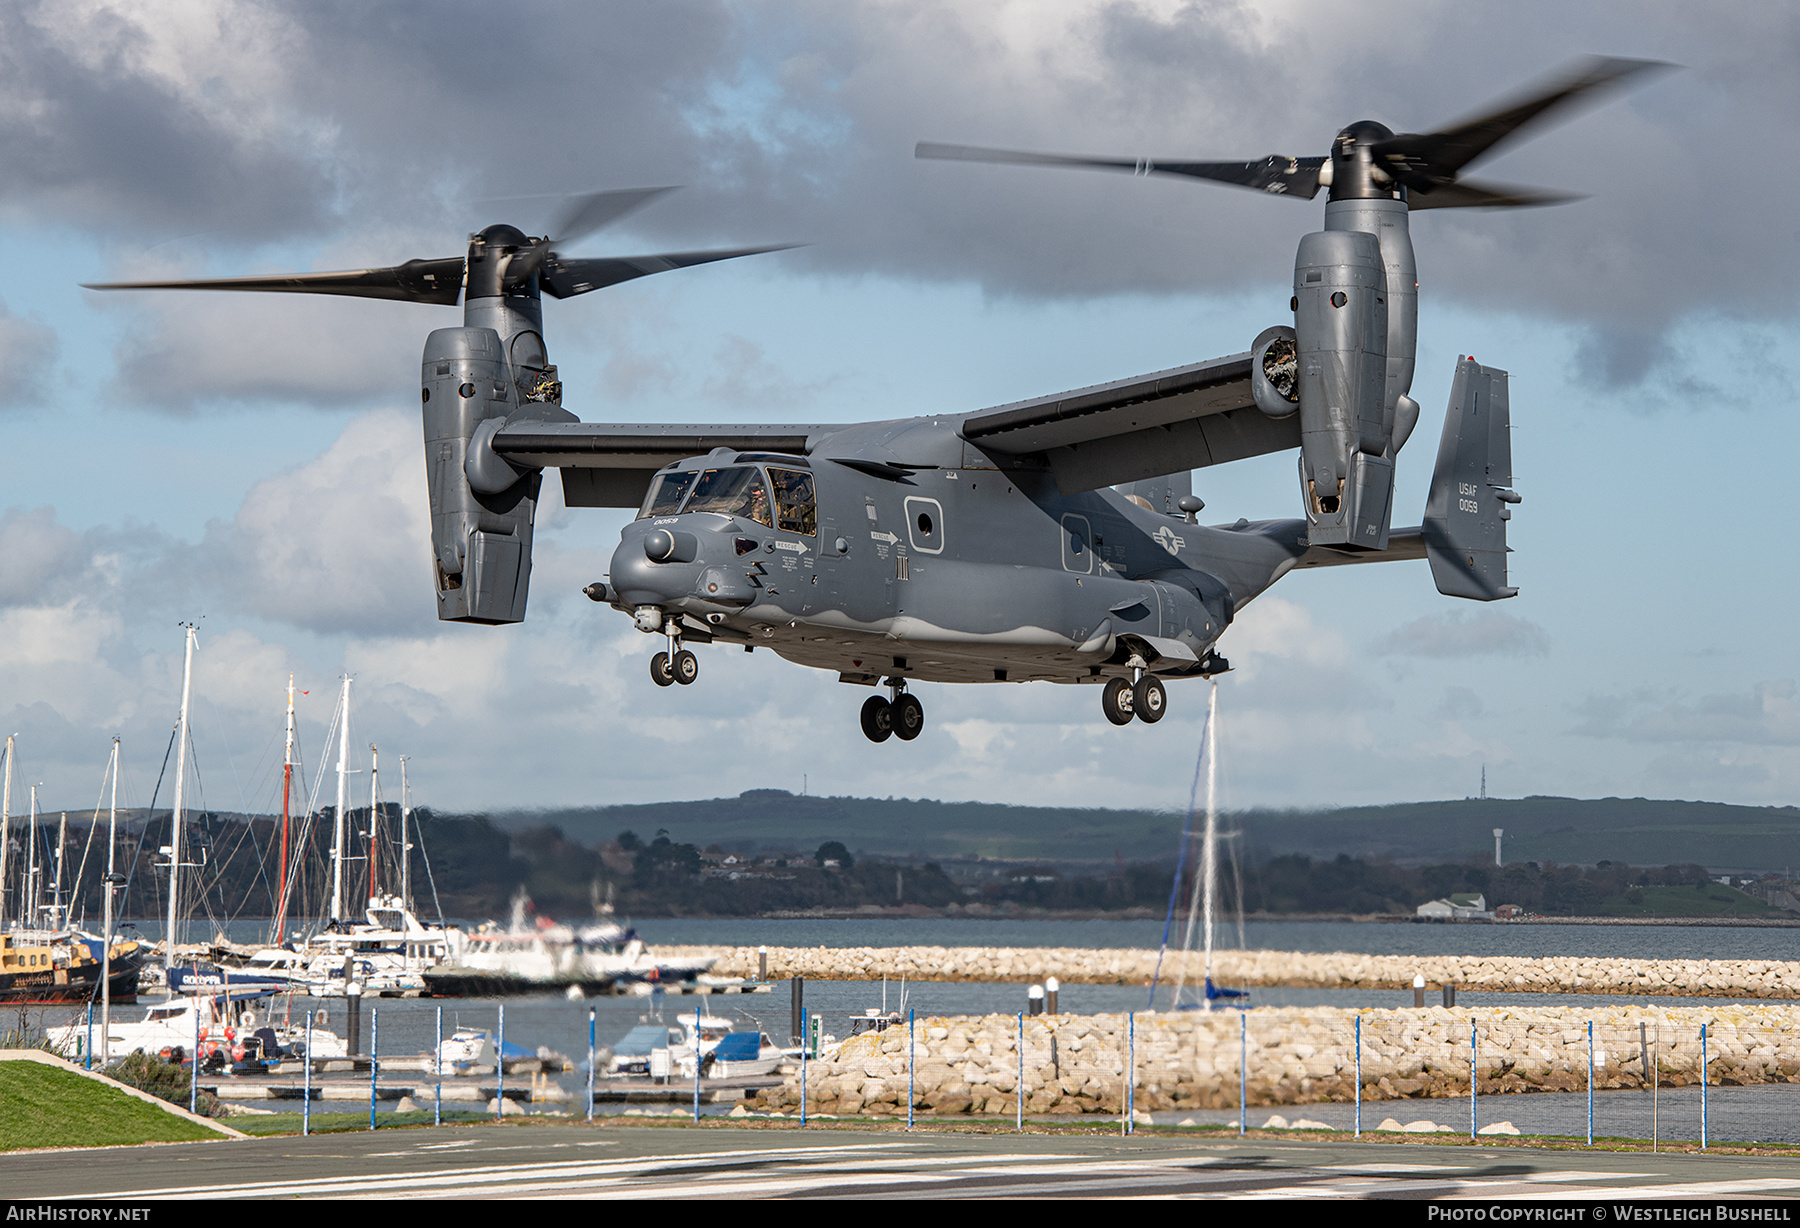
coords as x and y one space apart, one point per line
1590 1082
194 1057
306 1080
1019 1123
500 1068
697 1063
1243 1068
437 1097
804 1036
88 1052
590 1087
374 1048
1130 1071
1358 1050
1474 1080
909 1068
1703 1122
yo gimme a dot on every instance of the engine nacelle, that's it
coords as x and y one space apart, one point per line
1346 420
481 523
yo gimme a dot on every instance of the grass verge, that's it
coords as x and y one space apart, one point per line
42 1106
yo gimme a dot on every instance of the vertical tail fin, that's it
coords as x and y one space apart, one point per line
1466 514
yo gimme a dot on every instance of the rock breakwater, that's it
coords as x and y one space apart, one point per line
1081 1064
1688 978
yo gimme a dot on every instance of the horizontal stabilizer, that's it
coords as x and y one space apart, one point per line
1471 495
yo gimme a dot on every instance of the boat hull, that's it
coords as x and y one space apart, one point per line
52 986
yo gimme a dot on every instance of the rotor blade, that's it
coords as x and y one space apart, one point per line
1411 156
583 215
416 281
1275 174
567 278
1470 193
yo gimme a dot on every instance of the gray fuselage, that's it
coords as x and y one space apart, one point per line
937 565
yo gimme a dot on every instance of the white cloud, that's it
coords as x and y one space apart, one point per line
1765 715
1459 633
342 543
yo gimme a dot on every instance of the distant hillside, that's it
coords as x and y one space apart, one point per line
1543 829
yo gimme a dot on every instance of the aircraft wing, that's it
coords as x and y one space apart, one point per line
610 464
1166 422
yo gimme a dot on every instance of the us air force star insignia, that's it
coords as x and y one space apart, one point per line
1166 538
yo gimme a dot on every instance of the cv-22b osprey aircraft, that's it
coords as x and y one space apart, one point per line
1054 539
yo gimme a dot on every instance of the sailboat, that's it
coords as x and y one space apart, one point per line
198 1023
386 952
1201 905
43 959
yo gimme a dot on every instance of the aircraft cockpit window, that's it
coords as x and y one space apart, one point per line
796 511
666 493
738 491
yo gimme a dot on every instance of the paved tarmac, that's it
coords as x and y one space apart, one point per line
564 1160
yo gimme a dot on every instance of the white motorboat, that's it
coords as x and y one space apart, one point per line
547 956
177 1029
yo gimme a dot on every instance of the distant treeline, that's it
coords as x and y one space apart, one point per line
468 867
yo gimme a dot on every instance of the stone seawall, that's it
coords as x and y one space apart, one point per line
1688 978
1076 1064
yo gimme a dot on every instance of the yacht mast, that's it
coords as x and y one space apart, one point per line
28 906
5 826
1209 857
374 821
337 824
57 909
181 744
287 786
405 848
106 936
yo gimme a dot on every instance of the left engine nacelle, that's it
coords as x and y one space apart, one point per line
481 538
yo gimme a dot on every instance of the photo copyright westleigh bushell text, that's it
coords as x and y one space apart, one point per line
1628 1213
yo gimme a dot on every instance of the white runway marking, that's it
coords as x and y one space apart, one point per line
918 1168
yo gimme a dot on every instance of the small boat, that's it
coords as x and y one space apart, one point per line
218 1028
38 967
744 1055
469 1050
663 1050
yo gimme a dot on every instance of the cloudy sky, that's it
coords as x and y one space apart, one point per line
253 463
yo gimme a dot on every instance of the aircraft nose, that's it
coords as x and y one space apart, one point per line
643 582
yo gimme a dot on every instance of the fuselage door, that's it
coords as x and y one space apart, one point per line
1077 544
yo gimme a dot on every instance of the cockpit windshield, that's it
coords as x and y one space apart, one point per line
737 491
666 494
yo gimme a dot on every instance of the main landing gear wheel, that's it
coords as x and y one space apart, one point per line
661 673
686 667
1116 701
1148 700
878 718
908 717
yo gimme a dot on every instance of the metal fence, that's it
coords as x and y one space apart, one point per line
1447 1072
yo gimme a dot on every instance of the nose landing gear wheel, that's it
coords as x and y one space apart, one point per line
686 667
1148 700
660 671
908 717
1116 701
878 718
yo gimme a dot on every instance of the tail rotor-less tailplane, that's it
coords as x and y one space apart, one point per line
1471 495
